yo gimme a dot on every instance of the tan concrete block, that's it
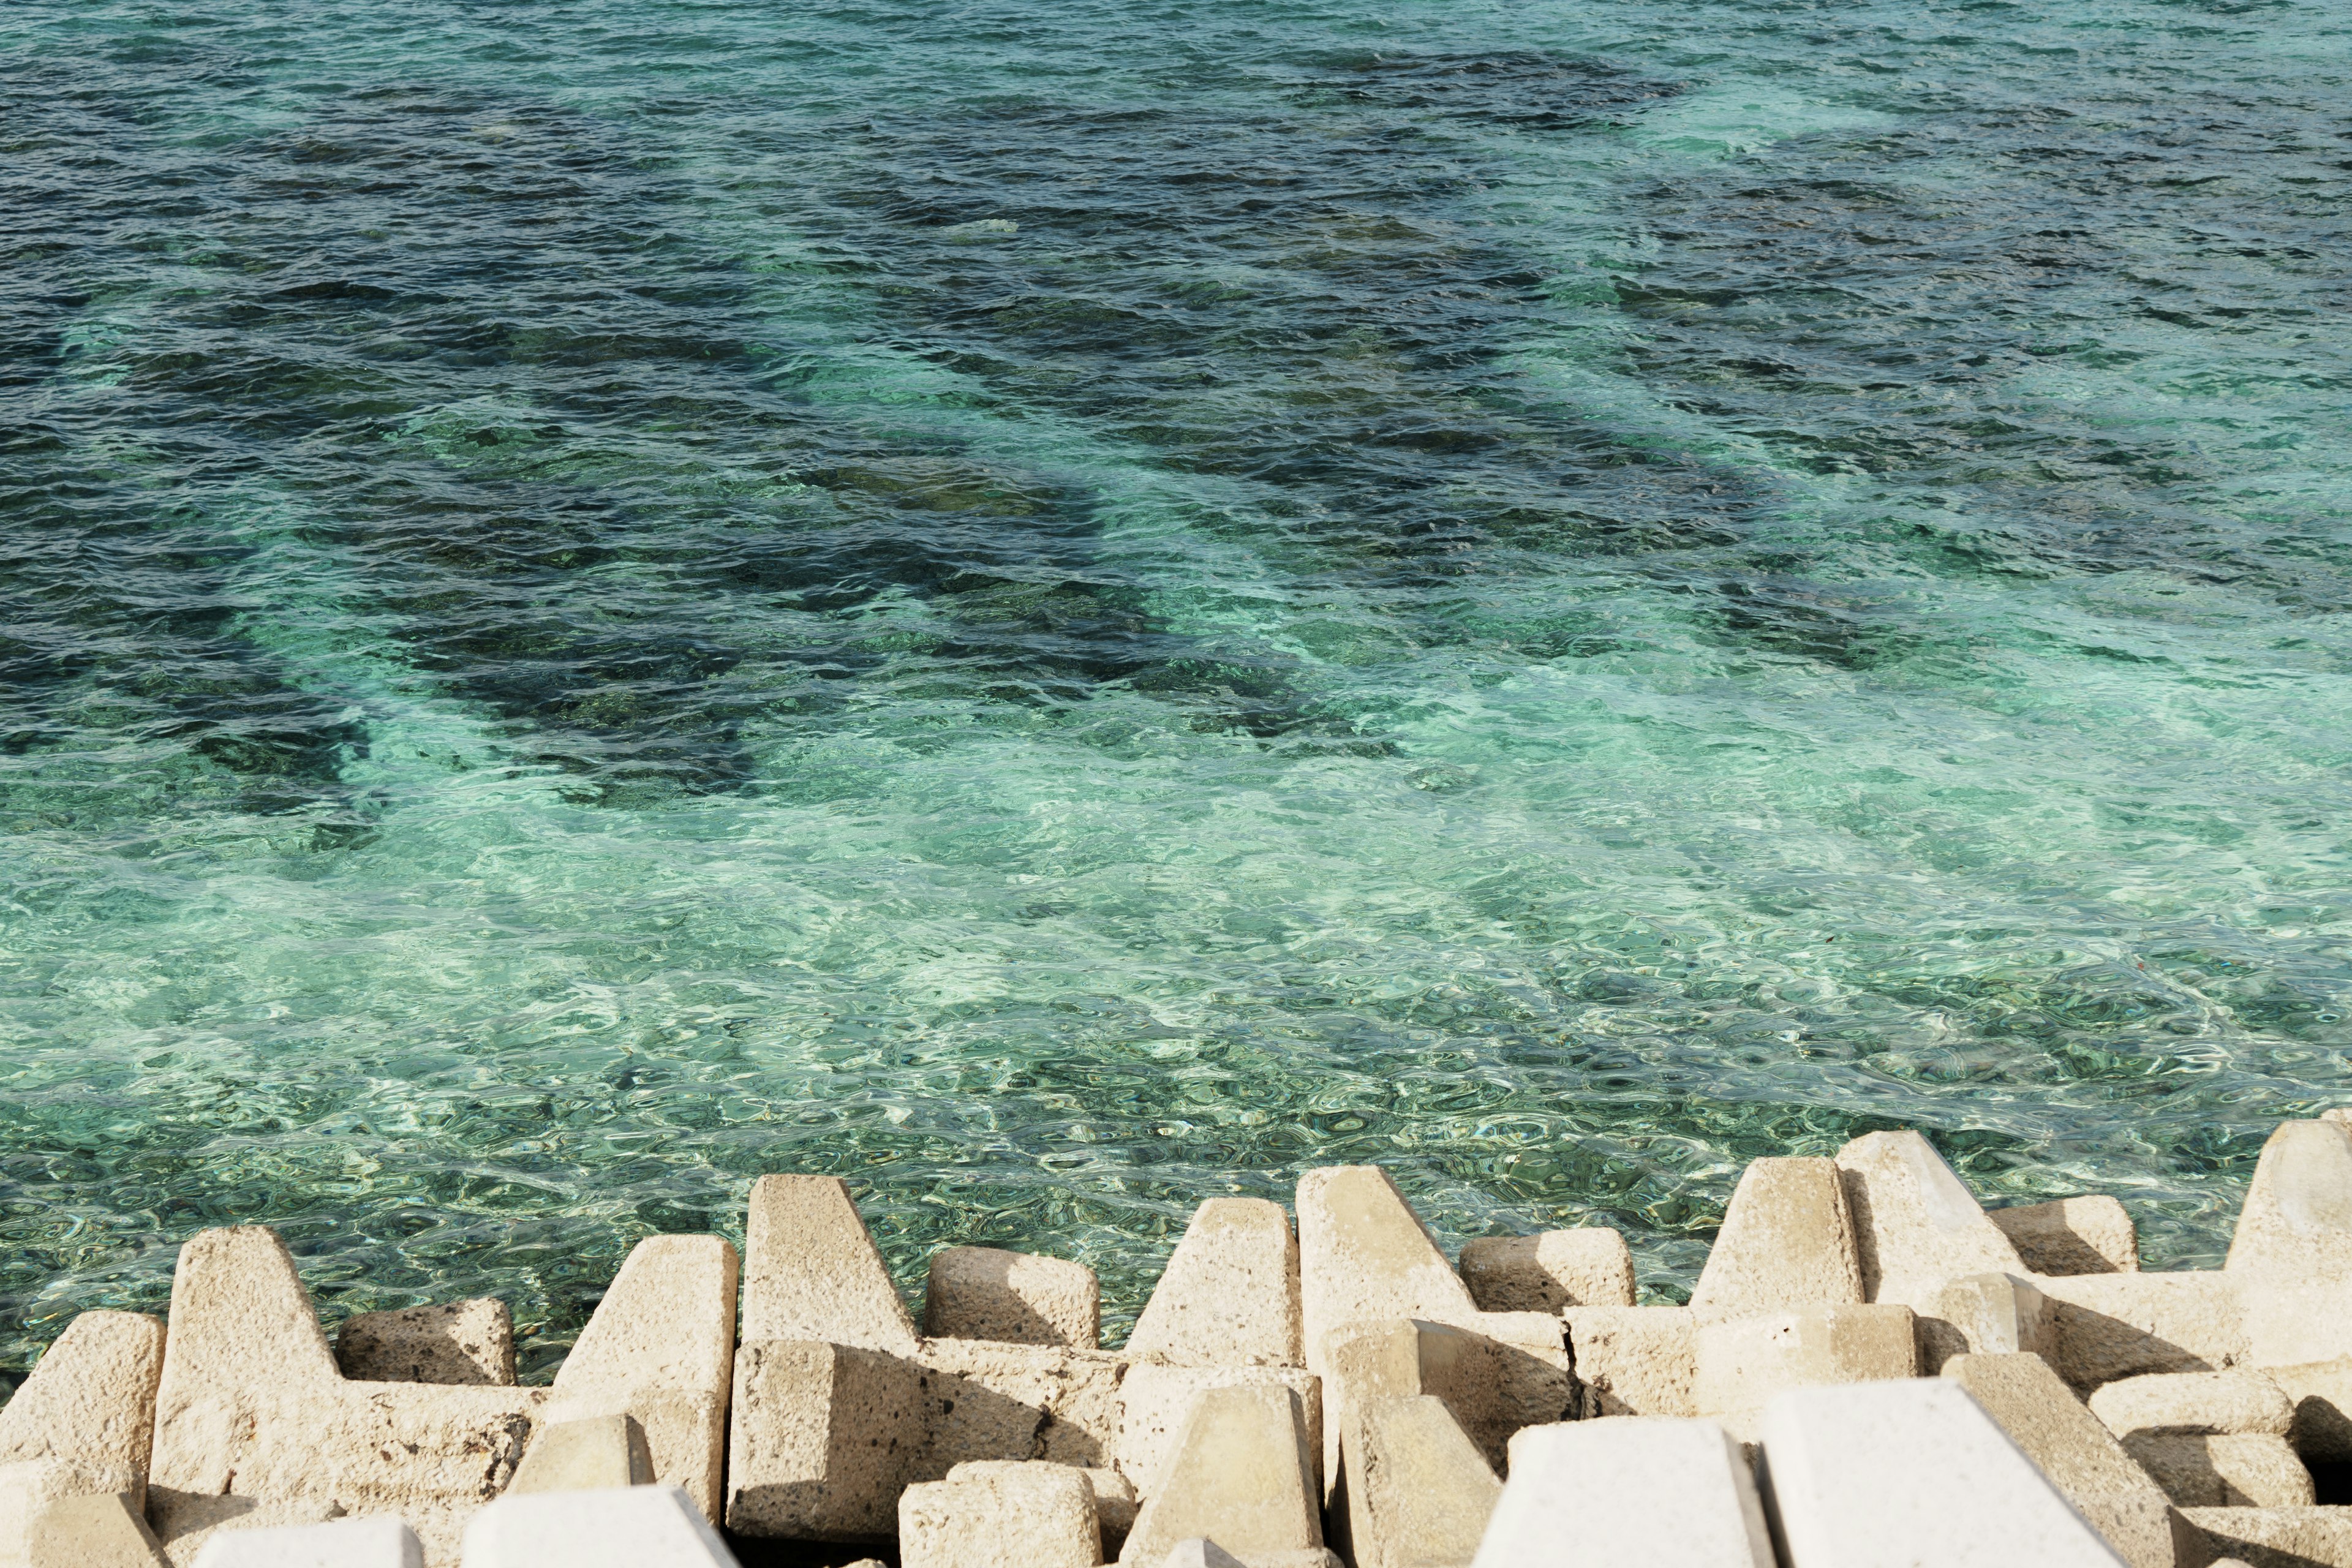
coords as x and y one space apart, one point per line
2073 1450
1015 1297
448 1341
88 1407
2200 1469
2110 1326
1634 1361
2341 1113
2194 1402
1559 1269
1155 1403
1744 1363
1492 1387
2072 1235
2296 1222
1916 1224
810 1270
822 1439
1000 1401
2321 1393
1417 1492
1983 1314
1787 1241
661 1348
2275 1537
91 1530
1661 1493
1015 1516
1229 1296
1114 1494
1242 1476
588 1454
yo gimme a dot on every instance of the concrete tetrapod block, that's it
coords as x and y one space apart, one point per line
2074 1452
2072 1235
1916 1222
1200 1552
822 1439
1746 1362
1013 1516
1480 1380
1013 1298
811 1272
2321 1393
1786 1241
1911 1475
2198 1470
2272 1537
627 1527
1114 1494
1586 1267
1021 1402
1983 1314
83 1420
590 1454
2194 1403
448 1341
1627 1490
2292 1256
342 1543
2104 1327
1634 1361
1418 1494
1229 1296
1155 1402
1242 1476
90 1531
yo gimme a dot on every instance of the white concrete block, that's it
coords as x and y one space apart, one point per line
89 1531
1787 1241
1417 1492
1006 1516
1661 1493
1745 1363
86 1412
1916 1222
2195 1401
2073 1451
627 1527
1229 1296
811 1272
1242 1476
590 1454
378 1542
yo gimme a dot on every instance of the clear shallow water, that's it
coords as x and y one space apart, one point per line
1061 609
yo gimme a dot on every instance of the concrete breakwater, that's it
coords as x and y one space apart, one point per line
1872 1369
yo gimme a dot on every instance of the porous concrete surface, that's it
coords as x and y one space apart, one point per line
1200 1552
2321 1393
1014 1298
341 1544
83 1420
2074 1451
1634 1361
627 1527
1787 1241
2194 1402
1023 1402
1416 1492
2072 1235
2293 1248
1916 1224
1155 1402
821 1440
1983 1314
2105 1327
1661 1492
446 1342
1114 1494
1229 1296
1744 1363
1591 1267
2197 1469
1872 1474
1010 1516
588 1454
1242 1476
811 1271
91 1530
2274 1537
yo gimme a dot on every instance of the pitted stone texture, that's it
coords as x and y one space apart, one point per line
1242 1476
2292 1256
2207 1470
1659 1493
2194 1403
1229 1296
1013 1516
822 1439
1546 1273
1114 1494
1916 1224
342 1543
627 1527
590 1455
2321 1393
448 1342
2072 1235
1417 1493
1155 1402
1746 1362
84 1418
811 1272
1491 1387
2275 1537
90 1531
2076 1453
1023 1402
1787 1241
1014 1298
1983 1314
1914 1472
2111 1326
1634 1361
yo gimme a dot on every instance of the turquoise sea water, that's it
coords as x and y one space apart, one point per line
1060 608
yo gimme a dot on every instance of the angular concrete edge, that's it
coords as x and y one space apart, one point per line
1230 1295
1242 1476
1417 1490
1662 1493
811 1272
1012 1298
627 1527
1548 1272
2072 1235
89 1403
1787 1240
1916 1222
346 1543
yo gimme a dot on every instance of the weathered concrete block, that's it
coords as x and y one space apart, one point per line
1155 1403
2200 1469
1418 1493
1229 1296
1021 1402
2321 1393
84 1416
1242 1476
811 1272
2297 1221
2274 1537
1911 1473
1015 1297
628 1527
1201 1552
341 1543
822 1439
2072 1235
2074 1452
1746 1362
1661 1493
2111 1326
1493 1388
2194 1402
590 1455
1013 1516
1916 1224
1634 1361
1114 1494
1559 1269
90 1531
448 1341
1787 1241
1983 1314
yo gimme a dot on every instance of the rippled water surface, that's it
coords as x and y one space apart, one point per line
1062 608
